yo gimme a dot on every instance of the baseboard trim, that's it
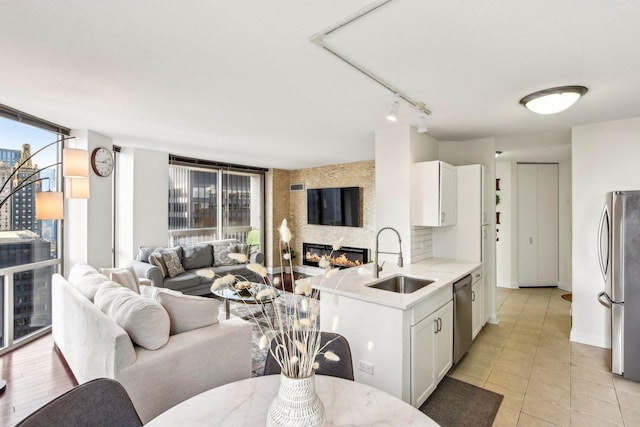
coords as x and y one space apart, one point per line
589 339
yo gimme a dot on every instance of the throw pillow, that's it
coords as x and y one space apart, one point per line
224 257
124 276
172 261
186 312
197 256
241 248
86 279
217 250
156 259
144 319
145 251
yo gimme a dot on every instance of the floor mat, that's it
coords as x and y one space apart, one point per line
456 403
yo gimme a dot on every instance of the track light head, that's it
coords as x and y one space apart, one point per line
422 124
392 116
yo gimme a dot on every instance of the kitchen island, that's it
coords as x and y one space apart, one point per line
400 343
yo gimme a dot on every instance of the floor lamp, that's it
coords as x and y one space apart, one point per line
50 204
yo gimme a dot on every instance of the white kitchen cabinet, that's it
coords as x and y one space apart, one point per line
444 342
488 262
538 263
477 304
470 238
431 352
423 343
487 196
433 194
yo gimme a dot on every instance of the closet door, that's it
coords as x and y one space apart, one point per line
527 224
538 224
548 225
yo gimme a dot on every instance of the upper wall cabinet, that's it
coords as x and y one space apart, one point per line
433 194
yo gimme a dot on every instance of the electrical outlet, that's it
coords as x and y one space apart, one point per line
366 367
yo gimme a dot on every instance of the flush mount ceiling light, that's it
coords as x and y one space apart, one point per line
554 100
392 115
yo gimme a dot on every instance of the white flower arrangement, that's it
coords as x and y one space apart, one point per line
294 326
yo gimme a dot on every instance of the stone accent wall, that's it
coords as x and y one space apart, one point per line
281 203
358 174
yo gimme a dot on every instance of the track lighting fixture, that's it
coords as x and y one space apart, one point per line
422 123
554 100
392 116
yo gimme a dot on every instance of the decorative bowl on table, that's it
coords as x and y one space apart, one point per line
243 288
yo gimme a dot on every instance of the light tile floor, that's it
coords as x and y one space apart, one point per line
545 379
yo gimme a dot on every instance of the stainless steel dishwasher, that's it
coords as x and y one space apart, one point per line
462 318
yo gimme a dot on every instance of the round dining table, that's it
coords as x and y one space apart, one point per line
246 402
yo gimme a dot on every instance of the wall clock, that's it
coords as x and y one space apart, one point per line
102 161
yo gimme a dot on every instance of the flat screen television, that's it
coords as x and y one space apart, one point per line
334 206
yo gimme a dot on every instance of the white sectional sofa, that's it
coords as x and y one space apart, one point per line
190 362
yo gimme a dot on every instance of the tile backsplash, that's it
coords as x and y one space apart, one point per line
421 244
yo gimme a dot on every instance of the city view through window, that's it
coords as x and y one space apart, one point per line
24 240
209 204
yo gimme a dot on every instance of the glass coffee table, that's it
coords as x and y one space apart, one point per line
246 296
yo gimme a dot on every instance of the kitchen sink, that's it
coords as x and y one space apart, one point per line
401 284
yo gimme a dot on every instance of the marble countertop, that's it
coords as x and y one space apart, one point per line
352 282
246 402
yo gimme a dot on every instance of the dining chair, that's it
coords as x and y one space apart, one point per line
101 402
336 343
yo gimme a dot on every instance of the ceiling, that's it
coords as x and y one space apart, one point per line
239 81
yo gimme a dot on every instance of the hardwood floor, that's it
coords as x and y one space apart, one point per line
35 374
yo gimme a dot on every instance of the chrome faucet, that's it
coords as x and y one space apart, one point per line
378 268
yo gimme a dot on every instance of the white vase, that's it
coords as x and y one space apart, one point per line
296 404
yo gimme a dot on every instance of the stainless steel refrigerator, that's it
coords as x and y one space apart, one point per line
619 255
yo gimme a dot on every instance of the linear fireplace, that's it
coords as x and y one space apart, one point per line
342 258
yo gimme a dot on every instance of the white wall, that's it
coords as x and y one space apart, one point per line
605 158
88 231
564 225
143 176
392 154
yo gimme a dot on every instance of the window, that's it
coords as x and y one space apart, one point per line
29 248
212 201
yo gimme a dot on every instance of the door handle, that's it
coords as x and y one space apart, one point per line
531 240
473 296
439 324
442 217
435 325
606 303
603 265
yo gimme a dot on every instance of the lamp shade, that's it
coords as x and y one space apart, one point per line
75 163
76 188
49 205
